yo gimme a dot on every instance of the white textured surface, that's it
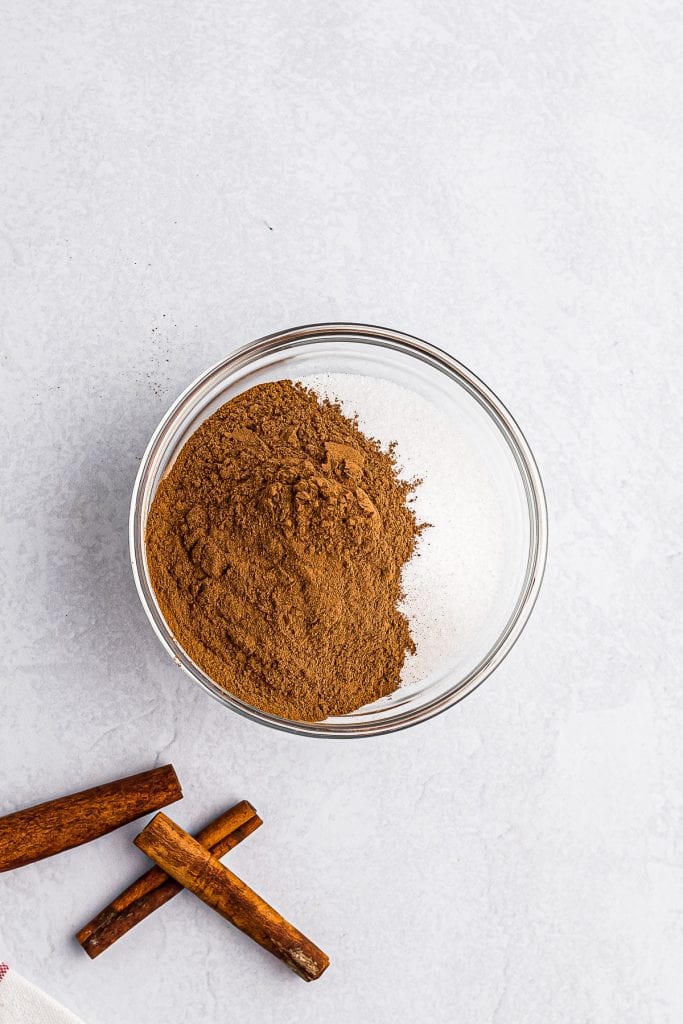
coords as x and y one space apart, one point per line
503 179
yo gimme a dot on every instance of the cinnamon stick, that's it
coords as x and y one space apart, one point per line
56 825
155 888
191 864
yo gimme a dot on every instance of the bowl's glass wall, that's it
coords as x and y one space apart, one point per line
475 413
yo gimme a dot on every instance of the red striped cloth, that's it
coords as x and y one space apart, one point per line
23 1003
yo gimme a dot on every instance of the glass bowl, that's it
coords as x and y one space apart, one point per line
473 412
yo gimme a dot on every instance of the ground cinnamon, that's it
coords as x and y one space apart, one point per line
275 547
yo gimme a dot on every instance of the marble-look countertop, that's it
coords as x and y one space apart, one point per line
503 179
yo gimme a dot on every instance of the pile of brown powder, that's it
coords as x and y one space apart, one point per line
275 547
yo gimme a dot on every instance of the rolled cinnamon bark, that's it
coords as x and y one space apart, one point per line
56 825
155 888
191 864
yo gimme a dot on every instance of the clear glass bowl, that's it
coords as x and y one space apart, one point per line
473 410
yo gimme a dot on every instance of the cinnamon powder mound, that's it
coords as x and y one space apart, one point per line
275 546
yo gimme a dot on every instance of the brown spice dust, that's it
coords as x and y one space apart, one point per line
275 546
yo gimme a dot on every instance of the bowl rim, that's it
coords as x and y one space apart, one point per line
296 337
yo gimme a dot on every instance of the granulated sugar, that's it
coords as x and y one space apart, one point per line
451 583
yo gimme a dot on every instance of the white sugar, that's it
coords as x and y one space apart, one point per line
450 584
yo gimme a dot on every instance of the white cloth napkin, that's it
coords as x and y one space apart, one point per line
23 1003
